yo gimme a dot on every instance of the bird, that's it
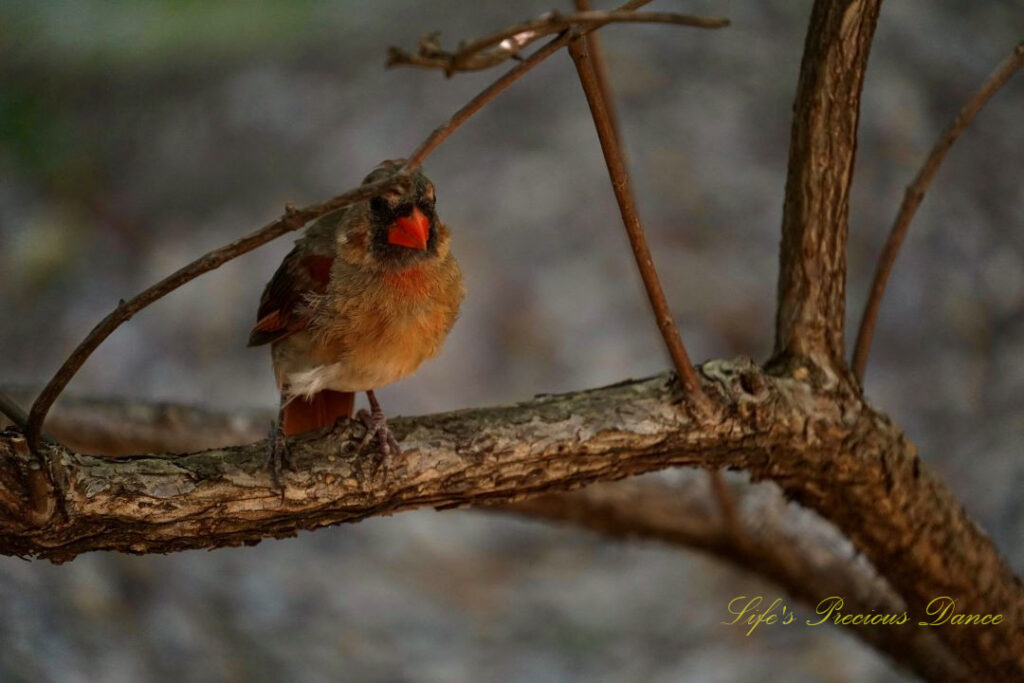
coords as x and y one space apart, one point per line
368 293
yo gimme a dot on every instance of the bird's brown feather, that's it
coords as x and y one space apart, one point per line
321 410
282 311
348 310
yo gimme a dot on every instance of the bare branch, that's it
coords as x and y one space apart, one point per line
292 219
783 543
600 77
440 134
827 450
915 194
499 47
634 228
593 42
803 555
812 270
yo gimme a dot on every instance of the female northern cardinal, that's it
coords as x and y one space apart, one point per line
368 293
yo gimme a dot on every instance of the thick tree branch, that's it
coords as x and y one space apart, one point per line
912 199
823 446
787 545
812 270
799 552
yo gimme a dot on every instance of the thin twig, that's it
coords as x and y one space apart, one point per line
634 228
915 194
496 48
601 72
292 220
440 134
722 495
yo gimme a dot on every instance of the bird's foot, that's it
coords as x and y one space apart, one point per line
279 456
377 428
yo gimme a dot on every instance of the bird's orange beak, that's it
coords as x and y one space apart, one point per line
410 231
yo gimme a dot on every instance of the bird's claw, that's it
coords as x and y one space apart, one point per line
377 428
279 456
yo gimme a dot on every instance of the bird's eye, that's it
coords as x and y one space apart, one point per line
427 204
379 205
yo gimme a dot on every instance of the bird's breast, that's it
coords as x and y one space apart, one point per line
411 284
383 333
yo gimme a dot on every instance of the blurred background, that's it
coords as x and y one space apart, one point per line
134 136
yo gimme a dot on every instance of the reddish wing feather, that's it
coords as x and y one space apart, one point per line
297 277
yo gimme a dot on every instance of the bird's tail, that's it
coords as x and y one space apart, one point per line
322 409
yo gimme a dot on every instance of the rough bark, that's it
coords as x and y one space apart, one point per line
803 555
820 442
783 543
822 147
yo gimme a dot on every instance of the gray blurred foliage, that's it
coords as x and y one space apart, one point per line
134 136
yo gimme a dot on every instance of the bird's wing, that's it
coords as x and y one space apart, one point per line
282 311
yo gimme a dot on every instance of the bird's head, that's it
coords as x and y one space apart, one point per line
403 225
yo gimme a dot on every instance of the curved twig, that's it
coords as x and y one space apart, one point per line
440 134
292 220
506 44
915 194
